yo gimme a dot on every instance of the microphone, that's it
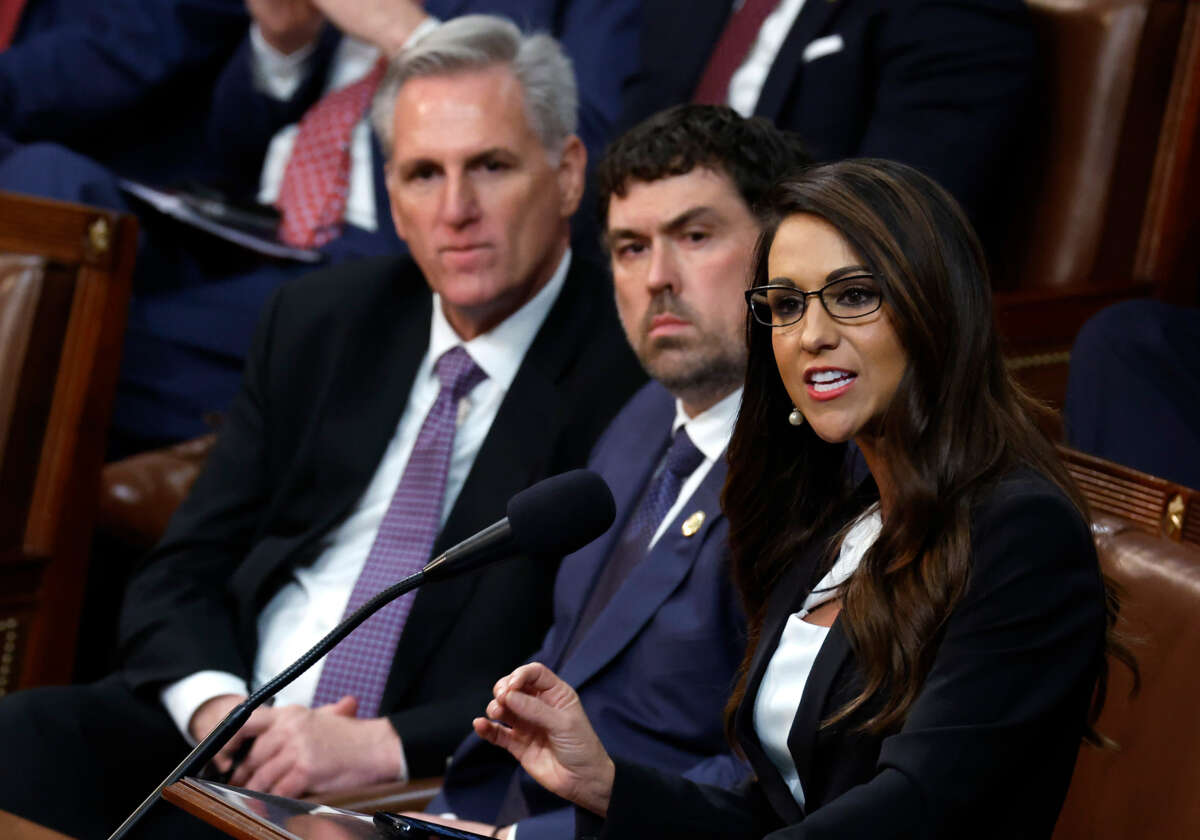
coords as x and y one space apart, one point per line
554 517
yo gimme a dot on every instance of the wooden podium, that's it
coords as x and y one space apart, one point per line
13 827
247 815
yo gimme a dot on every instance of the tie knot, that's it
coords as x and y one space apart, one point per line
458 373
683 457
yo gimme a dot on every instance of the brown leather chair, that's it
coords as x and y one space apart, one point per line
139 494
1109 205
1144 502
1148 534
64 290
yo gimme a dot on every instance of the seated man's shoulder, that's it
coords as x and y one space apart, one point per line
349 291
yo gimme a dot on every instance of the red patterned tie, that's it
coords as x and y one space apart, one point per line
10 16
312 197
731 50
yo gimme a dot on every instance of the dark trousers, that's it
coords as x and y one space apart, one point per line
79 759
1134 390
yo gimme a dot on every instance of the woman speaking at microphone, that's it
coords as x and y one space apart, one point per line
927 645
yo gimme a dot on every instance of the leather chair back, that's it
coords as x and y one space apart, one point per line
1101 132
1148 536
64 290
1108 205
1148 786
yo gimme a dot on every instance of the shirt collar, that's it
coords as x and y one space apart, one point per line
499 351
710 430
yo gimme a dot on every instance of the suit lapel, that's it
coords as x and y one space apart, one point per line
627 477
683 57
516 452
802 738
378 361
813 19
650 583
785 599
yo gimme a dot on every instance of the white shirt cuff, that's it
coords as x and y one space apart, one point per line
275 74
183 697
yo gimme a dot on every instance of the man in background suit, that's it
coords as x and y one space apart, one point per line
196 298
647 628
938 85
119 81
359 384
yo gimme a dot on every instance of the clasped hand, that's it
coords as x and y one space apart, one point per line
538 718
298 750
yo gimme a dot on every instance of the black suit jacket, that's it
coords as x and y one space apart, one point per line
325 385
988 747
938 85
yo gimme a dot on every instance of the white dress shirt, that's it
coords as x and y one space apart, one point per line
279 76
782 685
746 84
311 603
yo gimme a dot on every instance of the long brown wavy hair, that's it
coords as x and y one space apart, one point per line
957 423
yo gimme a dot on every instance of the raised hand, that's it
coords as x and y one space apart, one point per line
384 23
538 718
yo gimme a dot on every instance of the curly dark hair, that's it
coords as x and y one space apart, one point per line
752 152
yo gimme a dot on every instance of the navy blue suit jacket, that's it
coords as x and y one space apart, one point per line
124 81
656 667
938 85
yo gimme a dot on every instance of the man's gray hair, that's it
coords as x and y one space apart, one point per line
475 42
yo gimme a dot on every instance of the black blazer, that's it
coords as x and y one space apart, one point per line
988 747
938 85
325 385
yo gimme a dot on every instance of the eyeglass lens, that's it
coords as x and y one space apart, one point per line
849 297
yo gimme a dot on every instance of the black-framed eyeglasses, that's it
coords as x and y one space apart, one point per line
845 299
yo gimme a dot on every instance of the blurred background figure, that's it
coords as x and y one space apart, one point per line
125 83
197 298
940 86
1133 395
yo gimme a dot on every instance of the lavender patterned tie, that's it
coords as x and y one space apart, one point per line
360 664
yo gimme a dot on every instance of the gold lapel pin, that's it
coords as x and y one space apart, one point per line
692 524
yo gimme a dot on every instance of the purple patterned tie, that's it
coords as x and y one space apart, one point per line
360 664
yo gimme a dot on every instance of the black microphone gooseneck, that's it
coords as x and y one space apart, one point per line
554 517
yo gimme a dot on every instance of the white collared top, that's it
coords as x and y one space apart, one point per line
782 685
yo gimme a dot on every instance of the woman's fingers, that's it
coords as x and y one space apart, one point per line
494 733
533 678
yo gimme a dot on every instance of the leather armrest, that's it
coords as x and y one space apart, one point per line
139 494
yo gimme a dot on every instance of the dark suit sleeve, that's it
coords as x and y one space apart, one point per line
996 727
178 616
66 77
953 80
242 120
651 804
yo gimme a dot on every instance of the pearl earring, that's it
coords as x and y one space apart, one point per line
796 418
